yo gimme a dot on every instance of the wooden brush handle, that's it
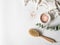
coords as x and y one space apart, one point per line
49 39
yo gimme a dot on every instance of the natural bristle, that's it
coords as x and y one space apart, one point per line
33 32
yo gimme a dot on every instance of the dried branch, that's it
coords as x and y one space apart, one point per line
57 3
39 2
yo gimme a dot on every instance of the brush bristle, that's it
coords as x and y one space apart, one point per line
33 32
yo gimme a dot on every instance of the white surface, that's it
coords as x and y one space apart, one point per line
16 23
28 22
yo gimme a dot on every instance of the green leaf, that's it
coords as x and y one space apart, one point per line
56 28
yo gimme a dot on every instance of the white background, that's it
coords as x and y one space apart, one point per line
14 25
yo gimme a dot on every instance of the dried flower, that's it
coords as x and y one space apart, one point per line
33 14
26 2
57 3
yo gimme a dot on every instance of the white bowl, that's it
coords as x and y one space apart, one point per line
47 21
